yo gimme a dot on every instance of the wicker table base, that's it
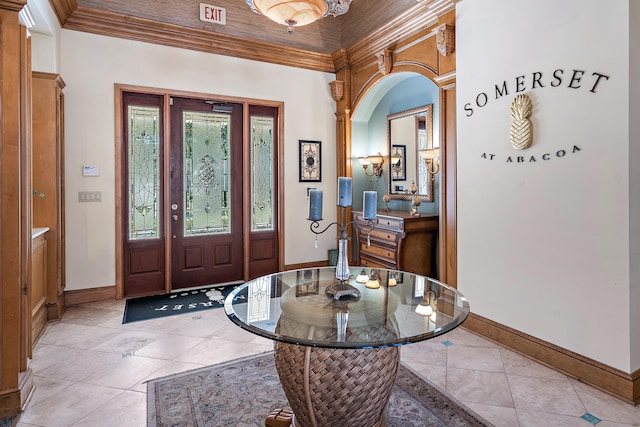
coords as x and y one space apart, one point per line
337 387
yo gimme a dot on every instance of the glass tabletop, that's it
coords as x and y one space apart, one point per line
393 308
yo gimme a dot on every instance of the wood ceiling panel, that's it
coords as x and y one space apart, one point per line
359 34
363 19
115 25
322 36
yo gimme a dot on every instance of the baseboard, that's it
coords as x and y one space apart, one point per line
610 380
83 296
316 264
13 400
26 386
10 404
56 309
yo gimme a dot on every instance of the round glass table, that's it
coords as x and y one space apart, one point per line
337 359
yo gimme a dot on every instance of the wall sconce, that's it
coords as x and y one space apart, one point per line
392 281
396 164
428 304
376 163
363 277
374 280
432 154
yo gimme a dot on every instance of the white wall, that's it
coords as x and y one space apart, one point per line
634 166
544 247
45 36
92 64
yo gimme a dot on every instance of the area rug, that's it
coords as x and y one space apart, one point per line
156 306
243 392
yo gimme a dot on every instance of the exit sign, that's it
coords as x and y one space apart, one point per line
215 14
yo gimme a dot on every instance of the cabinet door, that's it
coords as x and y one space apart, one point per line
37 292
47 165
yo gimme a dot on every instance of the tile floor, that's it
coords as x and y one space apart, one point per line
90 370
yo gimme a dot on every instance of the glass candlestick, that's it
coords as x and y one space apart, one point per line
342 268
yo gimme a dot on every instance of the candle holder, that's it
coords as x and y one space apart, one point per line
415 201
342 288
386 198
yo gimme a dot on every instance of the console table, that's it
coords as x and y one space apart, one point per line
337 360
398 240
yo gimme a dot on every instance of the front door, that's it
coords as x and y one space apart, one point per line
199 190
206 193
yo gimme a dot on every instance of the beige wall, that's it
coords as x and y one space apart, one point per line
45 36
545 246
634 178
91 65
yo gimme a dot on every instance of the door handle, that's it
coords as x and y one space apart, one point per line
174 207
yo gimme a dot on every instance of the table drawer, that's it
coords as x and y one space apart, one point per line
389 223
396 224
390 254
376 263
384 236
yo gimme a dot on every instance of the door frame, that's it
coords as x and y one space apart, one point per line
120 226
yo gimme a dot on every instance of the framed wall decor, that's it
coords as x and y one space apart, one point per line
399 169
308 282
310 161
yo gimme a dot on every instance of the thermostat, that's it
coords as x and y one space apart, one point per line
90 170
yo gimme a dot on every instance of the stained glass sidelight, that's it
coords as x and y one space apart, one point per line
262 173
207 184
258 299
144 174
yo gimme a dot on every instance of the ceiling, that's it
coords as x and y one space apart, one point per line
248 34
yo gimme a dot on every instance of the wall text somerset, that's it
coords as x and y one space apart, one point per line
574 79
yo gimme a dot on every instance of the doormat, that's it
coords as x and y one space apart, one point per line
157 306
245 391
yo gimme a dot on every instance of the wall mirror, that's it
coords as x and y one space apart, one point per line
409 139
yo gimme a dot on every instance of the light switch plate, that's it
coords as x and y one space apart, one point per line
89 196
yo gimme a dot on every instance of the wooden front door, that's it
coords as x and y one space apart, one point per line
199 190
206 193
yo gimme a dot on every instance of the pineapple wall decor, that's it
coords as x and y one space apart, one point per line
521 127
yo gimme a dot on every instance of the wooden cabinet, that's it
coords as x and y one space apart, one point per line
37 290
47 166
399 241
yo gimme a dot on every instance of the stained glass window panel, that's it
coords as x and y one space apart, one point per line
262 206
144 173
258 299
207 184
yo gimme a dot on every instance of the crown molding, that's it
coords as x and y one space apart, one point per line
15 5
112 24
63 9
412 21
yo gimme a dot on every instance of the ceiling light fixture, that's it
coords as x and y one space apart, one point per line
295 13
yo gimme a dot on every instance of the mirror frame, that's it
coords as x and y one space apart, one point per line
429 197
